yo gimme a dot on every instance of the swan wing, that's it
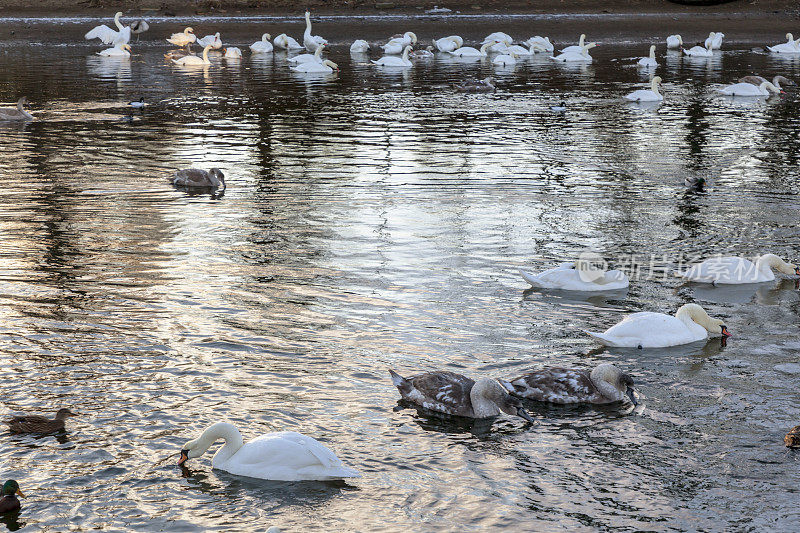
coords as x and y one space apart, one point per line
102 32
650 330
726 270
123 36
556 385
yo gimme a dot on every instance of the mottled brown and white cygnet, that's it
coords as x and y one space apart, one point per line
604 384
194 177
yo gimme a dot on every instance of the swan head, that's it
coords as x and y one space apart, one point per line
769 86
492 391
126 47
698 315
652 50
411 35
711 35
331 64
619 380
117 15
266 37
781 81
656 81
191 450
789 37
587 47
22 101
188 30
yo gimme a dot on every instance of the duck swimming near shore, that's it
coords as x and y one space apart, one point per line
603 384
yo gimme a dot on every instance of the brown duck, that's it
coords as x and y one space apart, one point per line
792 439
39 424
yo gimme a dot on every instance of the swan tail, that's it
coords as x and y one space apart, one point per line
599 338
531 278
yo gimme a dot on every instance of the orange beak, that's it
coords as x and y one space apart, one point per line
19 493
184 457
725 332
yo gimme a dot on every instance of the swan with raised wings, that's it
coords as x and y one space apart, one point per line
715 40
109 36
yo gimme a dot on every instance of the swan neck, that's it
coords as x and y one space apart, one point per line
405 53
220 430
652 52
308 23
116 20
205 53
485 47
654 87
582 39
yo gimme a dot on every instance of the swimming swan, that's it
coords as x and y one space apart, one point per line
396 45
359 46
647 95
279 456
468 51
736 270
789 47
213 40
109 36
119 50
263 46
691 323
303 58
748 89
286 42
194 60
674 41
185 38
575 47
194 177
448 44
604 384
650 61
699 51
312 42
232 52
312 67
540 44
576 57
778 81
394 61
715 40
576 276
16 113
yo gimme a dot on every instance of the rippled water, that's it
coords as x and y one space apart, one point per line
377 220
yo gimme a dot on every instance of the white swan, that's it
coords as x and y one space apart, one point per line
540 44
574 57
263 46
737 270
699 51
312 67
396 45
359 46
312 42
185 38
16 113
748 89
213 40
304 58
120 50
576 276
715 40
649 62
691 323
109 36
521 50
394 61
498 37
789 47
575 47
448 44
505 60
194 60
232 52
279 456
286 42
468 51
647 95
674 41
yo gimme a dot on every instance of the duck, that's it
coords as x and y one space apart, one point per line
647 95
485 85
690 324
789 47
505 60
119 50
394 61
560 108
792 439
650 61
694 183
457 395
699 51
448 44
714 40
9 502
468 51
577 276
498 37
263 46
359 46
397 44
213 40
140 103
748 89
193 60
575 57
232 52
285 42
674 41
312 67
602 385
540 44
138 27
194 177
778 81
185 38
16 113
277 456
738 270
38 424
311 42
426 53
303 58
109 36
575 47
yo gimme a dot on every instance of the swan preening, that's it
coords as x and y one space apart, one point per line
505 60
604 384
738 270
674 41
791 46
279 456
396 45
714 40
213 40
109 36
312 42
119 50
468 51
748 89
286 43
426 53
189 60
457 395
185 38
690 324
16 113
577 276
647 95
194 177
359 46
699 51
263 46
540 44
232 52
650 61
575 57
448 44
